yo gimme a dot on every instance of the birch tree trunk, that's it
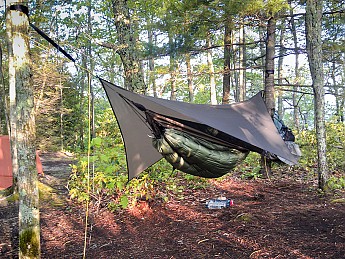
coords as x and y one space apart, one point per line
24 117
314 50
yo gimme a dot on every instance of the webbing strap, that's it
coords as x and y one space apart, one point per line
46 37
24 9
21 8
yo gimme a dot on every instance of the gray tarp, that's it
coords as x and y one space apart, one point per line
247 123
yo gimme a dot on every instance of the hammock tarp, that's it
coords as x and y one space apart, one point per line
244 126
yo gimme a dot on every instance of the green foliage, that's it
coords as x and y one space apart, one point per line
250 169
252 174
102 178
336 183
102 171
335 146
335 138
307 142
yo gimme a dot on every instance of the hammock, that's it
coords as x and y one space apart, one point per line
193 151
197 156
203 140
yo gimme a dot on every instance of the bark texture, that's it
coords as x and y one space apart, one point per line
127 37
297 73
3 102
280 68
269 68
269 83
23 111
241 92
227 65
314 50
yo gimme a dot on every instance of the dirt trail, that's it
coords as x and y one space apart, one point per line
57 169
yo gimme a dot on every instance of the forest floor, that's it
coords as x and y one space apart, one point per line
282 217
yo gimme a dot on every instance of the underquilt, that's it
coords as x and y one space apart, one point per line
197 156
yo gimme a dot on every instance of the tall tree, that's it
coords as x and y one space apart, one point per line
280 68
227 61
297 71
22 112
127 43
213 94
313 20
269 82
151 77
269 68
172 67
242 64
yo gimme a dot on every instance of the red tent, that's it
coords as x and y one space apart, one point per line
6 163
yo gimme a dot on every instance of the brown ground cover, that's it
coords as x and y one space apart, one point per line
277 218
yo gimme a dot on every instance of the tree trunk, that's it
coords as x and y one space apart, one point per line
314 50
269 68
297 73
127 37
337 93
81 103
269 82
262 51
12 101
152 78
4 126
90 71
242 65
280 68
227 58
23 110
190 78
213 94
172 68
341 98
